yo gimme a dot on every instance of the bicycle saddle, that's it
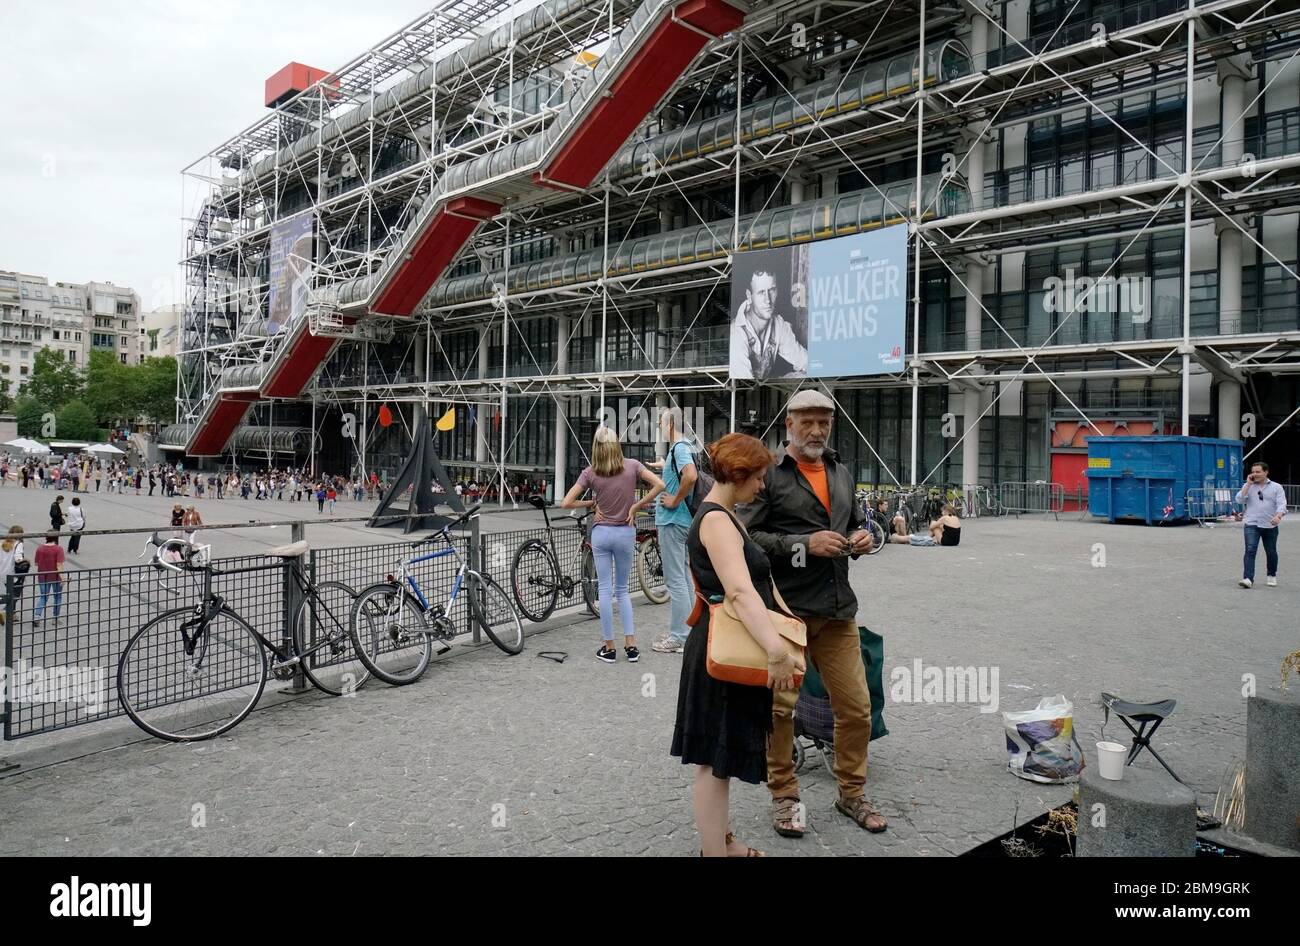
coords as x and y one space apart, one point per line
293 550
1142 712
537 502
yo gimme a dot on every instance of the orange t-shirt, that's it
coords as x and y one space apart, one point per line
816 476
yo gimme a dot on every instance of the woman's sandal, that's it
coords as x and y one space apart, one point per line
749 851
784 811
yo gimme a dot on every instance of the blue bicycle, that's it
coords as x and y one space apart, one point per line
395 627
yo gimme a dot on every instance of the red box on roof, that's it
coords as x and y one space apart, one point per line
292 80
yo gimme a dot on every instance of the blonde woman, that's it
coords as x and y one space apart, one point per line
14 562
613 479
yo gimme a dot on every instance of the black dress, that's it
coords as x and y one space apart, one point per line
723 725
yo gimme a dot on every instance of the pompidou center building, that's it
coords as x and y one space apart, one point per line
987 230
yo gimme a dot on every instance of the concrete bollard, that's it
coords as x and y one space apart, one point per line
1145 814
1273 768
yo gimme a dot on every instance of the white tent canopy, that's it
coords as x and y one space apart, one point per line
26 445
105 448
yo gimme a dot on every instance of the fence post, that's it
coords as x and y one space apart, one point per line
5 764
477 556
292 601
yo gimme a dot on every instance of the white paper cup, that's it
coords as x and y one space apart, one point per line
1110 760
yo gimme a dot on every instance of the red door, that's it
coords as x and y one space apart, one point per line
1071 471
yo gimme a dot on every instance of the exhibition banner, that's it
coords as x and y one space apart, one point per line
832 308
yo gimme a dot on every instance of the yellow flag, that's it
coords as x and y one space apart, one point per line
448 420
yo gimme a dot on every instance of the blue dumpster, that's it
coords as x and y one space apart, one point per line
1147 478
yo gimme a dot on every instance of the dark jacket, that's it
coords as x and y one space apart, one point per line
56 515
783 517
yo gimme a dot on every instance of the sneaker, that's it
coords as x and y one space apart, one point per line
1272 581
668 645
1245 583
633 655
607 654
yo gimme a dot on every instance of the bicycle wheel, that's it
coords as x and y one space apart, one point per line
650 570
878 539
388 632
334 666
495 613
187 695
535 580
590 582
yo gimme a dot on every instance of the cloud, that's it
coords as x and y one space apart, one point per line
107 101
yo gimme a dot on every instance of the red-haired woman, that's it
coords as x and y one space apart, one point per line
723 728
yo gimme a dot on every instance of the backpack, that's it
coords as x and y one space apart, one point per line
703 480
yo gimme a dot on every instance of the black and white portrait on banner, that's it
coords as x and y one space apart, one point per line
769 313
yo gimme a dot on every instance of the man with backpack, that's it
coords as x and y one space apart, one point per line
673 516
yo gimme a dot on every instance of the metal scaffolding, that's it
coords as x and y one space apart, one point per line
807 121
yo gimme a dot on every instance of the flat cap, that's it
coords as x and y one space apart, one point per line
810 400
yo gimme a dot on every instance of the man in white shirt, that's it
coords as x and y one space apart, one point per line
1265 503
763 344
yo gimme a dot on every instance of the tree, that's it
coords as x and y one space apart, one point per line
54 381
29 414
156 392
76 422
6 399
111 388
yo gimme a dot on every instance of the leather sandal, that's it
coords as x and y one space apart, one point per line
784 811
749 851
863 813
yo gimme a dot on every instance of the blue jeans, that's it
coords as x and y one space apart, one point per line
1253 535
613 547
672 549
50 588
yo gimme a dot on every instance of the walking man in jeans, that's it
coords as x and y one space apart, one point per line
673 520
1265 503
49 573
808 521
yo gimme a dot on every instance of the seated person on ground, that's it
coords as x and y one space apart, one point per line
946 530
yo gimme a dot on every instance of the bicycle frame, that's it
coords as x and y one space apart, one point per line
408 579
213 604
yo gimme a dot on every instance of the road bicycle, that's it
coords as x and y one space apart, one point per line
195 672
395 627
536 579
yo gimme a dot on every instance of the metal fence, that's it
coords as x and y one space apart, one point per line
1211 503
63 639
64 666
1017 498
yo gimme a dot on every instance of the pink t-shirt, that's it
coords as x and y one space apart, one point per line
614 494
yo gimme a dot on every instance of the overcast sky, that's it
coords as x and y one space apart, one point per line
104 102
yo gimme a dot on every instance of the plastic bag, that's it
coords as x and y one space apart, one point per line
1041 745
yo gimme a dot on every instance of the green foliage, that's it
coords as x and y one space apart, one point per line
116 394
54 381
157 389
76 422
28 413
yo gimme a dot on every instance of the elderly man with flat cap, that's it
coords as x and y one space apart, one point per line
807 520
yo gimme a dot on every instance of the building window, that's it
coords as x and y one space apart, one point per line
72 355
22 369
56 334
123 357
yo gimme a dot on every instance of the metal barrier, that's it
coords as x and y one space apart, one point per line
1211 503
72 658
1041 497
102 608
1292 496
